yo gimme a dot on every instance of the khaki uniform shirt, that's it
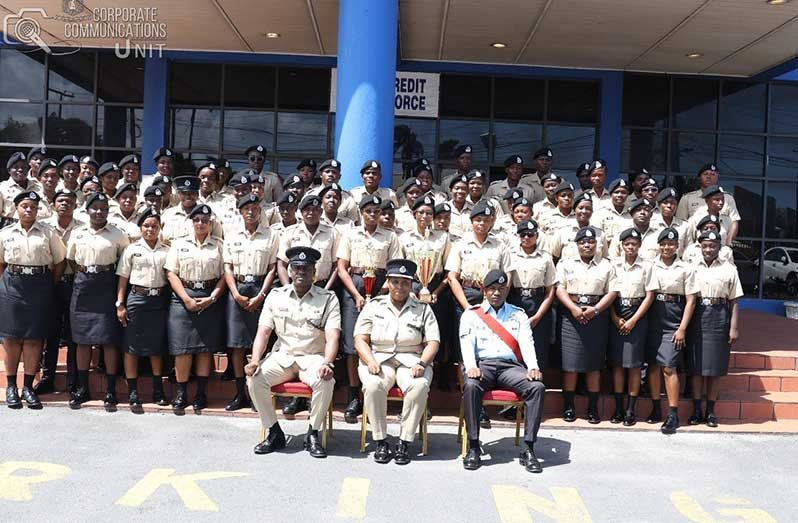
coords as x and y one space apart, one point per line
600 202
9 189
542 209
679 278
681 226
142 265
612 222
40 245
404 218
633 281
358 192
348 207
126 225
497 189
362 249
101 247
218 202
560 244
472 260
594 278
649 248
299 323
692 254
434 245
693 201
533 181
554 220
531 271
177 225
194 261
692 225
251 254
273 185
341 223
399 334
718 280
461 220
325 240
64 234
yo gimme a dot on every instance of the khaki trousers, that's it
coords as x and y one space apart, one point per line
271 373
375 396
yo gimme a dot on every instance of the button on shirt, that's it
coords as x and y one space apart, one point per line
324 240
385 193
633 281
126 225
40 245
460 223
142 265
104 246
531 271
542 209
594 278
251 253
678 278
299 323
195 261
718 280
362 249
694 201
479 342
434 245
473 260
399 334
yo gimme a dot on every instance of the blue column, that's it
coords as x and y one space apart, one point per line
156 76
365 91
610 121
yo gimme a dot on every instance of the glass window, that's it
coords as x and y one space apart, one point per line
306 89
643 149
20 123
413 138
245 128
195 128
302 133
103 156
748 195
571 145
746 258
187 163
286 168
119 126
782 210
783 158
21 74
695 103
516 138
239 163
195 84
689 151
120 80
742 155
645 101
463 132
249 86
743 106
779 269
784 108
518 98
573 101
465 96
71 77
69 124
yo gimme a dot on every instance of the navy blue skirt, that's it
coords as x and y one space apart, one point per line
27 306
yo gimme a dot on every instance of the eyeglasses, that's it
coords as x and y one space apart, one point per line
201 219
527 234
256 158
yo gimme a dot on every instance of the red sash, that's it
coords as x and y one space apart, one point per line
499 330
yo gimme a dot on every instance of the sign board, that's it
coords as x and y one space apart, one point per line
415 94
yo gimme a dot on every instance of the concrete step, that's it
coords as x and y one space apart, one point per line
775 380
764 360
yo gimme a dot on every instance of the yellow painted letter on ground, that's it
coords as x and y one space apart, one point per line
194 498
690 508
14 487
515 504
353 497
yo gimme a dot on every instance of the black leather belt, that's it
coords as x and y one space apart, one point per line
198 285
94 269
670 298
361 270
706 302
585 299
630 302
250 278
530 292
26 270
147 291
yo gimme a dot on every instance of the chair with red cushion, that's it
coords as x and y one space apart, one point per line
500 397
292 389
395 394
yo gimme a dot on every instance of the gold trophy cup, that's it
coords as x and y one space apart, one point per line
426 271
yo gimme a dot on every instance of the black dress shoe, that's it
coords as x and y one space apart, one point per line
237 403
402 454
159 399
200 402
593 417
472 459
313 445
617 417
382 454
133 398
12 398
670 425
530 462
654 417
484 420
31 399
695 419
110 401
509 413
295 405
353 410
569 415
712 420
78 398
629 419
46 385
180 401
274 441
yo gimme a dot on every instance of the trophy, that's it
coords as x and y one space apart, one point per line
427 262
369 273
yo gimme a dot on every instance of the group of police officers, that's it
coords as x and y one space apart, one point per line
501 280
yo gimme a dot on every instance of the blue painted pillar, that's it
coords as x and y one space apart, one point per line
610 121
156 76
365 91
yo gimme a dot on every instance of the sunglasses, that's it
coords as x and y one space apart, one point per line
256 158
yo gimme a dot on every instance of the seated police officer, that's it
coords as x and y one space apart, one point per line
499 353
307 322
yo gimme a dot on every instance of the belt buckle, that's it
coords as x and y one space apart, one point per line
27 270
626 302
526 293
198 285
660 297
91 269
706 302
582 299
249 278
152 292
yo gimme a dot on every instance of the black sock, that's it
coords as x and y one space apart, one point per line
592 401
182 387
157 383
83 379
202 385
12 380
710 407
110 382
354 393
568 397
473 444
132 384
530 445
632 404
673 410
697 406
276 428
656 407
619 402
27 381
240 382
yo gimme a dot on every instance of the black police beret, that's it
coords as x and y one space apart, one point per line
370 164
630 233
246 200
543 151
332 163
668 233
292 181
201 209
522 201
667 192
513 194
187 184
302 255
90 179
160 179
583 168
441 208
332 187
638 203
369 199
707 167
40 150
482 208
458 179
65 192
618 182
513 160
130 158
163 151
149 212
637 174
461 150
153 190
307 162
407 184
257 179
712 190
551 177
16 157
210 164
286 198
48 163
95 197
564 186
527 225
424 200
308 201
89 160
583 197
423 166
651 182
586 233
597 164
709 218
475 175
387 205
709 236
494 277
106 168
258 148
239 179
399 268
27 195
125 187
68 158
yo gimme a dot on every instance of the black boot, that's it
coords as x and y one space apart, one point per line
569 412
31 399
630 418
529 461
295 405
696 418
402 454
275 440
133 394
240 400
110 401
313 445
158 396
618 416
201 399
656 412
46 385
12 397
671 422
353 410
473 458
382 454
180 401
81 395
592 408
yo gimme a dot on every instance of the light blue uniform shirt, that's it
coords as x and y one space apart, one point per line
478 341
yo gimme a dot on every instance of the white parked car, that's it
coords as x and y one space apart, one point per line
781 267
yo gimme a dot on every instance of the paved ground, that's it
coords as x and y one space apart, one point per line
91 465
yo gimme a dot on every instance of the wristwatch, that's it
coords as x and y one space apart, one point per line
330 365
421 362
118 303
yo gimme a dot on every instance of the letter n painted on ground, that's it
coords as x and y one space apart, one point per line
194 498
16 487
516 505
